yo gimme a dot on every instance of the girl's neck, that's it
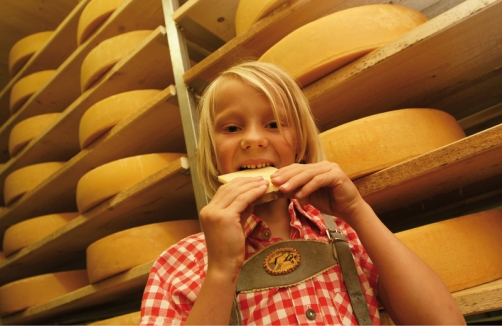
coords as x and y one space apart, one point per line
276 215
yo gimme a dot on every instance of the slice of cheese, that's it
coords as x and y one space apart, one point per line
23 132
29 292
25 48
126 249
24 233
27 86
105 114
25 179
104 56
132 318
250 11
94 14
326 44
373 143
109 179
464 251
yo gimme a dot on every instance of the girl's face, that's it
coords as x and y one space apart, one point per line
246 132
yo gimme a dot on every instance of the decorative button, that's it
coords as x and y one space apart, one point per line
266 234
310 314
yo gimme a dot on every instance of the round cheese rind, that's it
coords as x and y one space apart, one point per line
326 44
132 318
250 11
376 142
105 114
24 233
124 250
26 87
29 292
107 54
23 49
93 15
23 132
25 179
109 179
464 251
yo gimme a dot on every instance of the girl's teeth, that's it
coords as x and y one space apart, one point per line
256 166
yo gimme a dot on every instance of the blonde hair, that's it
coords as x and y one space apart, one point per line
282 92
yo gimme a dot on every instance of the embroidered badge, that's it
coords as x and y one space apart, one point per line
282 261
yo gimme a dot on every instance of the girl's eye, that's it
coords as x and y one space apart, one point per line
273 125
231 129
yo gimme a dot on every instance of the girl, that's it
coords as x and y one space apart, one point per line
254 115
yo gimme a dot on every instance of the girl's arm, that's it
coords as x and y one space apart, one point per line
409 289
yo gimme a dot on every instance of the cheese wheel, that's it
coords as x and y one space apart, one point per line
20 181
109 179
104 56
105 114
373 143
26 47
2 256
23 132
29 292
132 318
464 251
26 87
124 250
326 44
93 15
24 233
250 11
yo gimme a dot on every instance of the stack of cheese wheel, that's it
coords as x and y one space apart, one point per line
324 45
132 318
373 143
250 11
29 292
23 132
24 233
126 249
109 179
25 179
26 87
25 48
105 114
104 56
93 15
464 251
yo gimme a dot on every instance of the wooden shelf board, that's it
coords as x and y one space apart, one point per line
166 195
427 67
146 67
479 299
64 87
155 127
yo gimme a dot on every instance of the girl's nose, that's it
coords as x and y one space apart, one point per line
254 138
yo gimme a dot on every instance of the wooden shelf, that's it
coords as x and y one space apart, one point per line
148 66
164 196
64 87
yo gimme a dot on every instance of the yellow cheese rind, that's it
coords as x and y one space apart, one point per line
265 172
124 250
376 142
326 44
250 11
104 56
25 179
26 47
94 14
132 318
29 292
109 179
105 114
23 132
464 251
26 87
22 234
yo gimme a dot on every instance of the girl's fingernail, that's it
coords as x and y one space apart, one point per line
299 194
286 186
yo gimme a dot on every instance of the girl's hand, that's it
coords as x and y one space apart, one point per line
324 185
221 222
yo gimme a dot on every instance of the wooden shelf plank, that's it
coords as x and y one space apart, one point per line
146 67
64 87
166 195
483 298
427 67
155 127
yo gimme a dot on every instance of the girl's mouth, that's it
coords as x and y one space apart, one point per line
254 166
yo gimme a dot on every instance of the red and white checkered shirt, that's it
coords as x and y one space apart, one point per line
177 275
